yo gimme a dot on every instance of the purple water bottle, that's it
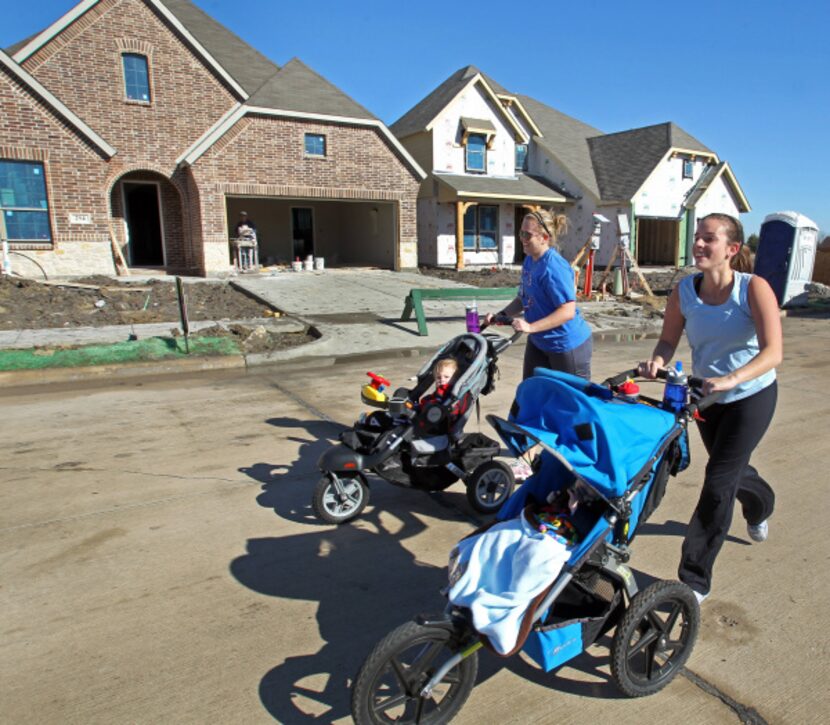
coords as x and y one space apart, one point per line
472 318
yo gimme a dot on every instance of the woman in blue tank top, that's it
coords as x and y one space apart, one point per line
559 338
733 326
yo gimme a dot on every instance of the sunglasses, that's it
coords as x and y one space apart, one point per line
526 236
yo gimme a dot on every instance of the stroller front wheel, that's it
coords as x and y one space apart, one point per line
654 638
489 486
388 686
339 499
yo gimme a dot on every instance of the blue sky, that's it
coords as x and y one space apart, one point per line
751 80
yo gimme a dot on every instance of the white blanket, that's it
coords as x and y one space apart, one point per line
504 568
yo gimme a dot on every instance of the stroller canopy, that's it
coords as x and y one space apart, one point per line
606 440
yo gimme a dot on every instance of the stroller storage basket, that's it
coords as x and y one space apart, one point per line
577 619
474 448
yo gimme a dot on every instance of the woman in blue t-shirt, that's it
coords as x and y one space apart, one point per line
733 326
560 339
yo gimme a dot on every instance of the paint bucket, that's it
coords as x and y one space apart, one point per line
297 265
308 265
319 263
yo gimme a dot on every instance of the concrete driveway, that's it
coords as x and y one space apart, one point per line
161 562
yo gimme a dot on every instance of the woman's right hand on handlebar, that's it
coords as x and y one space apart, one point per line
648 369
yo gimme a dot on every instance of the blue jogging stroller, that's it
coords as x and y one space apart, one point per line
613 455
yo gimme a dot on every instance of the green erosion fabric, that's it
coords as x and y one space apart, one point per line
153 348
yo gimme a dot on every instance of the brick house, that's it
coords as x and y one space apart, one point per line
492 154
184 126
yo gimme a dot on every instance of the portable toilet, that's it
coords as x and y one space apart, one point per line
786 253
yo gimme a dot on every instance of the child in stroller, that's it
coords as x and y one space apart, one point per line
612 456
419 442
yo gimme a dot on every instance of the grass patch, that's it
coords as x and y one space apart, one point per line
152 348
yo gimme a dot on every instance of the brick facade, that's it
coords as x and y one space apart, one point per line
75 175
260 156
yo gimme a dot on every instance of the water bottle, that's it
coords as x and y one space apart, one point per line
472 318
676 390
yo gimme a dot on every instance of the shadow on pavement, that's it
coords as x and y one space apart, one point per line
676 528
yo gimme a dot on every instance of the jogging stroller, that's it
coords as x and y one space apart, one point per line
420 445
613 457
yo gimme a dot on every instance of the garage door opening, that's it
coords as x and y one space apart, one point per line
657 241
344 233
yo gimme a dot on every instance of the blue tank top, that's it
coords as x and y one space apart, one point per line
722 337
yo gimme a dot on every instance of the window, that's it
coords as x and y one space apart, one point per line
688 168
476 157
481 225
23 201
315 144
136 77
521 157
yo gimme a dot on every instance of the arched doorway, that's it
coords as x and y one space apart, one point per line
148 207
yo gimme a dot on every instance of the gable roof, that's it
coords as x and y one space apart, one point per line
57 107
179 14
623 161
421 116
245 64
417 118
711 174
296 87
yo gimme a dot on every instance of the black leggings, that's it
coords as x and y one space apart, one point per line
576 361
730 433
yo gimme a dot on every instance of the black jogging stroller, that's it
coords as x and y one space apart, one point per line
615 454
420 446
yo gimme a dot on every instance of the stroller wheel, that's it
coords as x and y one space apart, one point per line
337 506
388 686
489 486
654 638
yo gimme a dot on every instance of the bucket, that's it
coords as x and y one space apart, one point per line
308 265
297 266
319 263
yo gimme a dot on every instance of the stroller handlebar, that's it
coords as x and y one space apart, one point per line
698 402
502 343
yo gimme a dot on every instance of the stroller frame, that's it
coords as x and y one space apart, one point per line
604 552
421 448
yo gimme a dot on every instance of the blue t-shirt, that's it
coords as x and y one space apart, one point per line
547 284
722 337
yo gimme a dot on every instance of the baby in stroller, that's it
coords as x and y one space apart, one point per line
604 465
417 439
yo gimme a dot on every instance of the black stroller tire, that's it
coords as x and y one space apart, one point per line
654 638
334 509
489 486
388 686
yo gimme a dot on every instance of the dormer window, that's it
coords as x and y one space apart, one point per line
477 135
688 168
476 156
136 77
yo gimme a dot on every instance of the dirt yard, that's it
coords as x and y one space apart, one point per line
660 281
100 301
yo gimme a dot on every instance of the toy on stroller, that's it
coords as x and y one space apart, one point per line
420 445
602 470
